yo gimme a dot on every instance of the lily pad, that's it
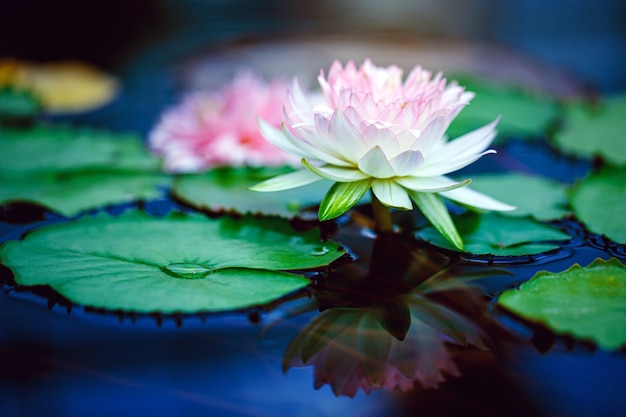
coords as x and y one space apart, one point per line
533 196
71 195
522 112
178 263
492 234
70 170
599 201
587 303
597 130
227 189
46 148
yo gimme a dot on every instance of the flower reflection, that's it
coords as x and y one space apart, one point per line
387 338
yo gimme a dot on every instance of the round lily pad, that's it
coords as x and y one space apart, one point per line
46 148
69 170
227 189
599 201
492 234
533 196
587 303
522 112
71 195
595 130
173 264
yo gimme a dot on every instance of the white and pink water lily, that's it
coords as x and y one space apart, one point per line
371 129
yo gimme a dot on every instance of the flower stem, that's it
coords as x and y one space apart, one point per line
382 216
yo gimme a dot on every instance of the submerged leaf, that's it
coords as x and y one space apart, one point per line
493 234
599 202
179 263
598 130
538 197
587 303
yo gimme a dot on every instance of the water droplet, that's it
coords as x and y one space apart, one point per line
320 250
187 270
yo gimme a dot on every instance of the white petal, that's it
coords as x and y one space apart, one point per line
311 152
299 101
287 181
407 138
407 162
382 137
273 135
346 138
431 134
430 184
448 166
376 165
471 143
391 194
472 198
338 174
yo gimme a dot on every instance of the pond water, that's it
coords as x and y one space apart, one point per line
59 359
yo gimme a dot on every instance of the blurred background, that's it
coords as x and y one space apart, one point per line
582 36
144 41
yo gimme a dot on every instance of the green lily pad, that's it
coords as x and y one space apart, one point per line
70 170
599 201
227 189
76 193
538 197
492 234
523 112
587 303
178 263
598 130
17 105
46 149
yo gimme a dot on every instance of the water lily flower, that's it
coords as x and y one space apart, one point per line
374 130
219 128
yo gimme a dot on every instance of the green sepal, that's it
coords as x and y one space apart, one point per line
435 210
341 197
